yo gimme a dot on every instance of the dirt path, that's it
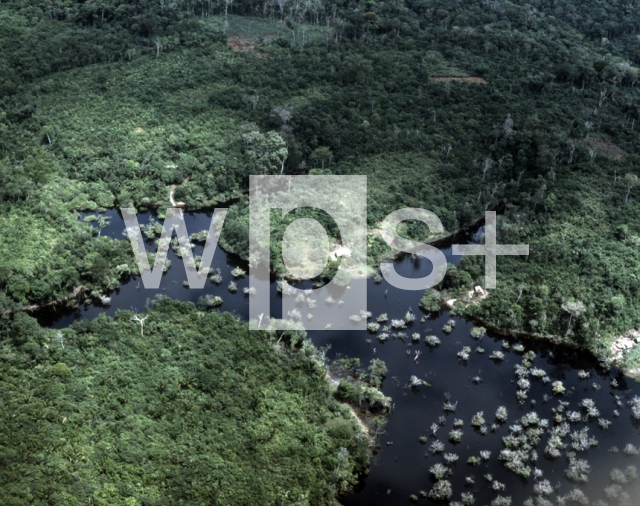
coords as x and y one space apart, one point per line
363 427
172 190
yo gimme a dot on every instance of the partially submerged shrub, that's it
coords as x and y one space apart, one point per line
478 332
497 355
398 324
439 471
373 327
478 419
450 458
557 387
455 435
497 486
576 496
634 404
441 491
543 488
590 408
464 353
436 447
432 340
238 272
467 498
581 441
578 470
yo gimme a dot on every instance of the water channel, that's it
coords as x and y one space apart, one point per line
401 467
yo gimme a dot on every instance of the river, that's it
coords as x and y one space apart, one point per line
401 468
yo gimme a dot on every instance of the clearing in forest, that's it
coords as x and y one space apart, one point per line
245 33
608 148
241 44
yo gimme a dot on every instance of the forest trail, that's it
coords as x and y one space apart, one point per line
172 190
362 425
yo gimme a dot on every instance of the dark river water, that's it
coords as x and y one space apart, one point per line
401 467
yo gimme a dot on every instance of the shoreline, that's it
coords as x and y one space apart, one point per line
552 339
334 382
438 241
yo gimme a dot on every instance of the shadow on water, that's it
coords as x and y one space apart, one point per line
401 468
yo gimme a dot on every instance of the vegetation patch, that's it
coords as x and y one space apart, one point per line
125 418
241 44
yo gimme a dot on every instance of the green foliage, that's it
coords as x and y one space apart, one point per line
266 152
47 252
457 278
478 332
346 391
359 385
544 132
377 372
431 300
198 410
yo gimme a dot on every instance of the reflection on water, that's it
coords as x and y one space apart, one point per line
480 384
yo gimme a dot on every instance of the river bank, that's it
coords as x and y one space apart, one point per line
477 375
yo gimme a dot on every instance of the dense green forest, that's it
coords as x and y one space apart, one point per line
112 103
526 107
194 410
